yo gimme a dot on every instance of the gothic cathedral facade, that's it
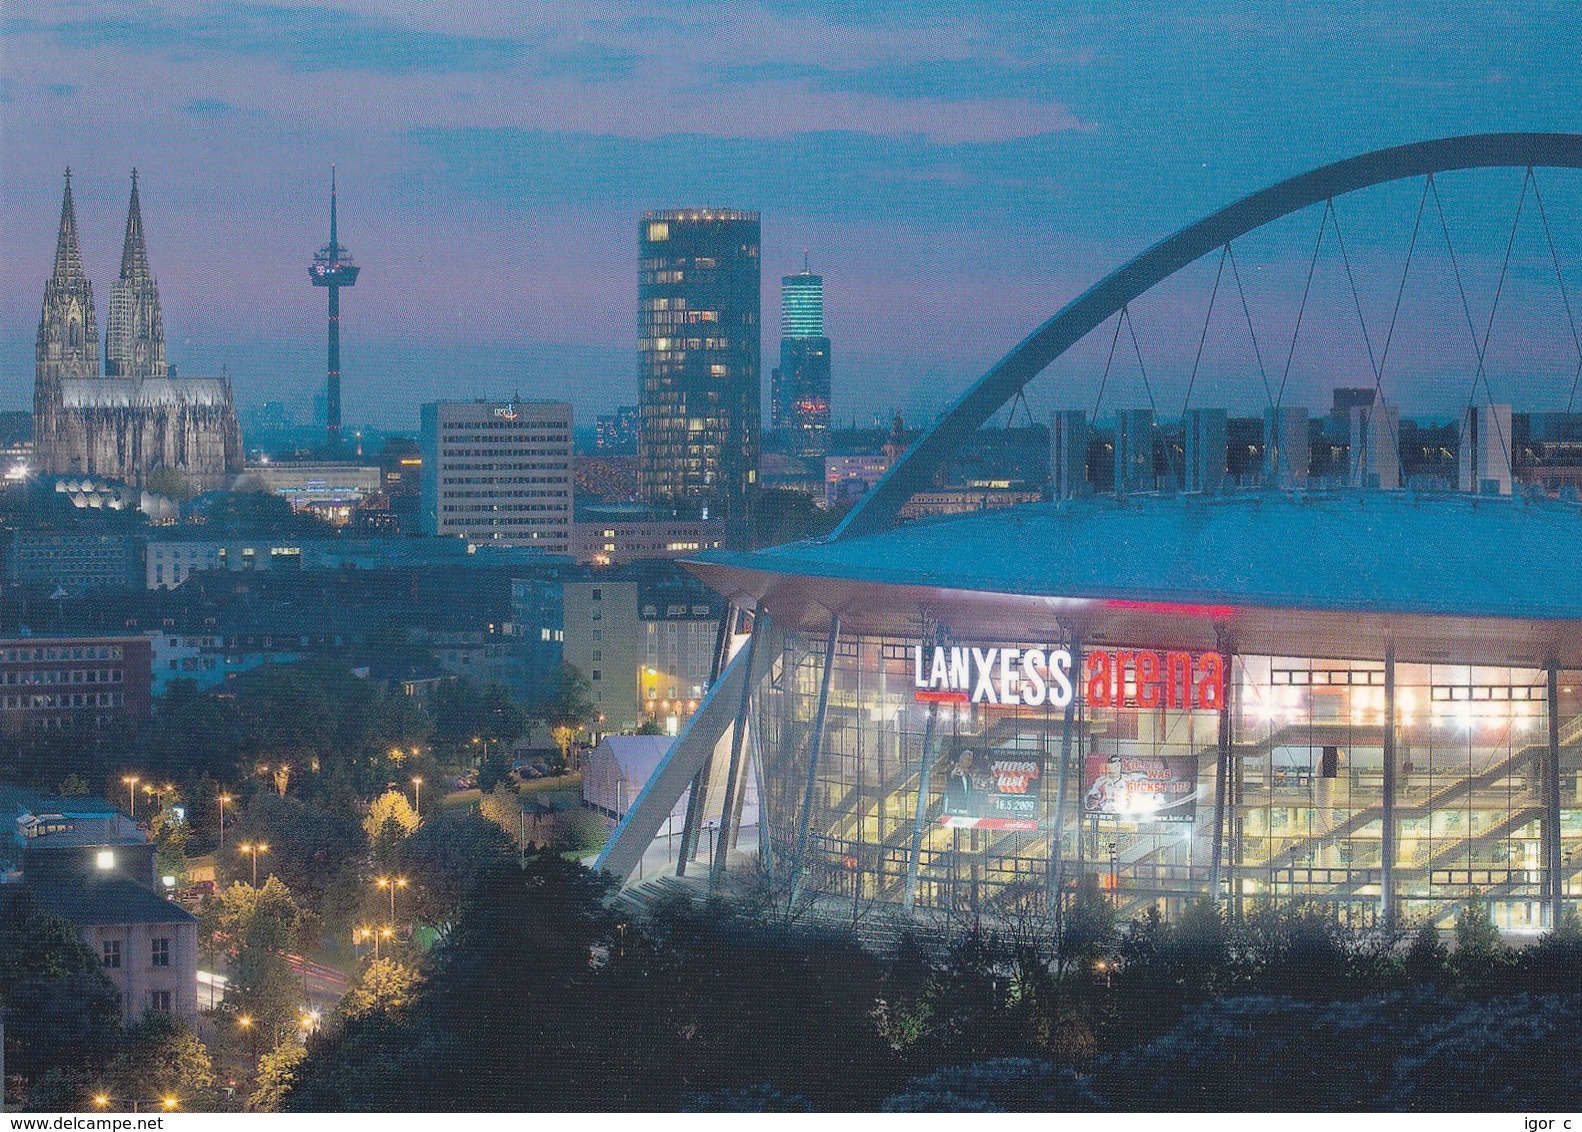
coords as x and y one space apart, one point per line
136 418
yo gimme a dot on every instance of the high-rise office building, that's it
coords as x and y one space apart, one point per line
498 472
800 391
698 361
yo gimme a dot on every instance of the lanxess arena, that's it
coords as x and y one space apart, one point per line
1366 698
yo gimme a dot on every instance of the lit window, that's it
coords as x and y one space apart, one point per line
658 231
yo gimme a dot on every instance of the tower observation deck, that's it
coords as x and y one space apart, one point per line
333 268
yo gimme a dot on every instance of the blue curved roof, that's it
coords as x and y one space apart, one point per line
1373 552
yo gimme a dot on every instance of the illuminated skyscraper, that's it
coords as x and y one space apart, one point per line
698 361
799 393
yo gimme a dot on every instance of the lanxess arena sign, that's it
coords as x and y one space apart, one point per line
1120 678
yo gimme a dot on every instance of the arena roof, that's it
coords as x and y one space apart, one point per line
1243 560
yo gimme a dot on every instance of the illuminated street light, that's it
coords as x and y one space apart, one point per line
131 781
253 850
223 798
392 883
417 786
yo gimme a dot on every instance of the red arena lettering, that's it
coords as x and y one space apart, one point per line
1097 670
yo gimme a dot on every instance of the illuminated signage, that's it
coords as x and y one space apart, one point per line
507 412
1121 678
1007 676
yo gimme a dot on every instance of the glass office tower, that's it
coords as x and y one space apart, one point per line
698 362
801 388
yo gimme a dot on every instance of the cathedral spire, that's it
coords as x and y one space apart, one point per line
134 252
68 259
134 341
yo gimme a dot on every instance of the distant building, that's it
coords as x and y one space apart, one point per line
90 865
1134 451
1375 447
847 478
698 361
963 500
616 433
330 490
1484 453
170 562
645 637
612 535
800 387
1068 454
603 641
73 683
1204 449
1287 447
74 561
499 472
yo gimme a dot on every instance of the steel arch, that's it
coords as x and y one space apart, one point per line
879 507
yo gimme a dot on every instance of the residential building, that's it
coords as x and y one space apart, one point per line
73 683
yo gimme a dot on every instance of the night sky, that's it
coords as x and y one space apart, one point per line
956 171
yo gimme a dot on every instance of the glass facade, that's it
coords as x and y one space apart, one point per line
1133 795
800 391
698 360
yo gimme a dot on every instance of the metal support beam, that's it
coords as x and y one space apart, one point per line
925 764
735 778
1553 863
699 791
1057 862
692 750
1387 908
1221 772
815 748
880 505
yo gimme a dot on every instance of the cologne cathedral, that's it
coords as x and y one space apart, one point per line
137 417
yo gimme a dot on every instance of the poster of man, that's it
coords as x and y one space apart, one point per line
993 790
1141 787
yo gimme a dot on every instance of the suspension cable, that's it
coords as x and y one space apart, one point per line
1131 326
1554 258
1306 288
1356 299
1202 338
1230 254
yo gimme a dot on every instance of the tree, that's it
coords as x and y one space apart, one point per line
259 927
60 1009
384 985
390 814
308 844
1478 949
171 483
569 710
277 1072
469 718
160 1058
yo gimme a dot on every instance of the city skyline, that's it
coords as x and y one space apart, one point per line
975 165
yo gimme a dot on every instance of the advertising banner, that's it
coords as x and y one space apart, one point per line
1141 787
993 789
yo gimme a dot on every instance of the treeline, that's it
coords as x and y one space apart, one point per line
542 998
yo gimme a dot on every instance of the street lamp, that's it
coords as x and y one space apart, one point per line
224 798
417 786
253 849
131 781
392 883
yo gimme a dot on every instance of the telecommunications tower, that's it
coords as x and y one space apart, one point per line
333 268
